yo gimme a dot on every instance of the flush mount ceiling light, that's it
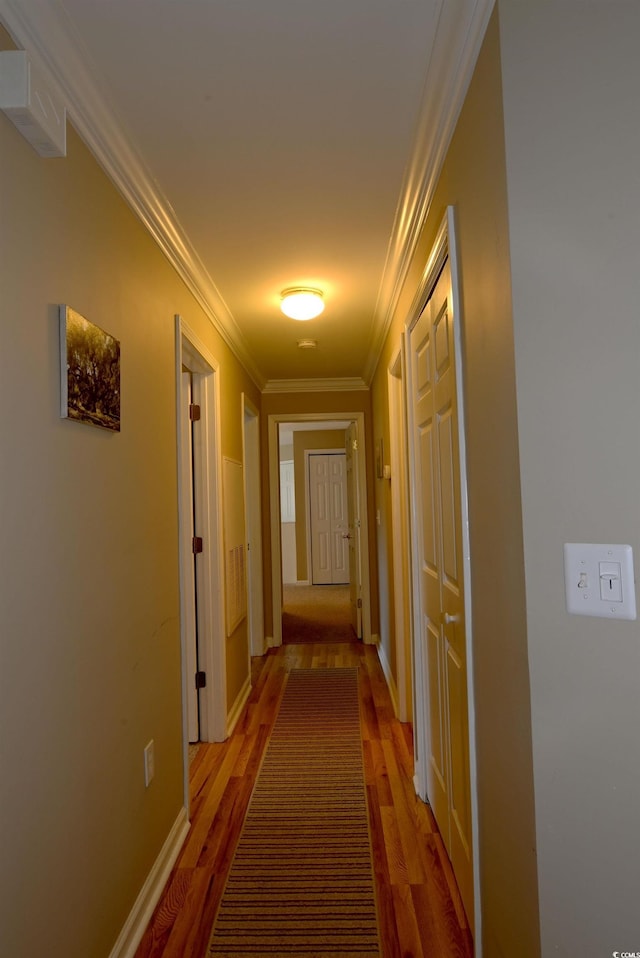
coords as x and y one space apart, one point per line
307 343
301 302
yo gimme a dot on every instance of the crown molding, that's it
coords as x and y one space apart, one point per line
353 384
42 29
460 31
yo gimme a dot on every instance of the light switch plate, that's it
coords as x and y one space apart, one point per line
594 571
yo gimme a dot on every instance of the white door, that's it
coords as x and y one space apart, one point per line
443 743
187 532
353 534
328 518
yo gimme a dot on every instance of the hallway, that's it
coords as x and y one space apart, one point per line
419 909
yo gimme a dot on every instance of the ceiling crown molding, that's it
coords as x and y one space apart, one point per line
460 31
352 384
44 31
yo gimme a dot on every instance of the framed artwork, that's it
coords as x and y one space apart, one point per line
89 372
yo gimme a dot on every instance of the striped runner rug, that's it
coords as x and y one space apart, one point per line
301 881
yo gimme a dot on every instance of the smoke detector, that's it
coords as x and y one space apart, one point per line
31 105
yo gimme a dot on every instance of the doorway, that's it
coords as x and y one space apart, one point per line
313 422
200 538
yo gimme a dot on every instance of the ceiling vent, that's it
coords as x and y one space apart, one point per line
30 105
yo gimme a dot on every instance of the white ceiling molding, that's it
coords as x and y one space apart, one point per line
40 29
314 385
457 41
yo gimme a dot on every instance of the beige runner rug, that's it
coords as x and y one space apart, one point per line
301 881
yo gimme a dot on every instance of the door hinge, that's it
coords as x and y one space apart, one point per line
196 545
201 680
359 603
194 412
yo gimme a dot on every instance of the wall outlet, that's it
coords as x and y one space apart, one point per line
149 763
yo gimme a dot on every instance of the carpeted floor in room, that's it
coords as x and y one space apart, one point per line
316 613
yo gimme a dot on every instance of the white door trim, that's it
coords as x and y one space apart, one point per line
193 354
253 526
445 244
274 421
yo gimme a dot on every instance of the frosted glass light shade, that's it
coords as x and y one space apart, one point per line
299 303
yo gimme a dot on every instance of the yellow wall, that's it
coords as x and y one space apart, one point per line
473 180
89 634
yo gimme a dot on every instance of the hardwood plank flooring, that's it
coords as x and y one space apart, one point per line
419 908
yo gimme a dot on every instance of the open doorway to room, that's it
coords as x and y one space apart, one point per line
319 529
200 555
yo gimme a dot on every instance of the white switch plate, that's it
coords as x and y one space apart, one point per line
593 571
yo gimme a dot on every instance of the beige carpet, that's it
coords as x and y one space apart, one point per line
301 882
316 613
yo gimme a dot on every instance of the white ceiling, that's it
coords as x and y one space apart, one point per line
269 143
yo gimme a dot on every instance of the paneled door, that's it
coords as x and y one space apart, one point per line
329 519
443 735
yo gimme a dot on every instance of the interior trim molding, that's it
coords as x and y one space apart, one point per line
388 674
41 30
236 709
456 44
140 915
346 384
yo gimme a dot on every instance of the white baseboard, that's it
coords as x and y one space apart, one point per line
391 685
140 915
238 705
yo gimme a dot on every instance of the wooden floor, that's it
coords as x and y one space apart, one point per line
420 912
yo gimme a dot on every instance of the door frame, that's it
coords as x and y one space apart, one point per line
253 526
274 421
207 480
445 245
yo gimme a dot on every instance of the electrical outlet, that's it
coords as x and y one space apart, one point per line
149 763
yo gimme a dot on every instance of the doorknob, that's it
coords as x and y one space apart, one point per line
448 619
346 535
